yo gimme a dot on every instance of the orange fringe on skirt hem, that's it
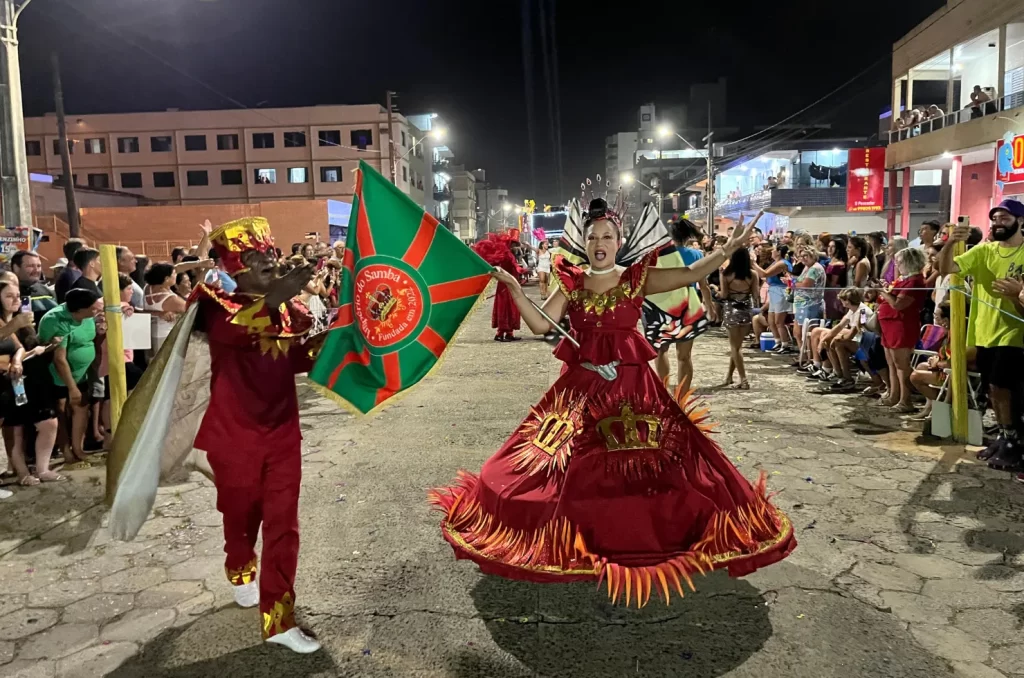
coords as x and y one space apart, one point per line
559 548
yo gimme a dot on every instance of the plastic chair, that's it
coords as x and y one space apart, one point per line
805 344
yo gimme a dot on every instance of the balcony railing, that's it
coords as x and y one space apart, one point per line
441 166
442 195
806 197
1006 103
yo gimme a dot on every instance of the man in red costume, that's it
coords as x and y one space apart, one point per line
257 338
497 250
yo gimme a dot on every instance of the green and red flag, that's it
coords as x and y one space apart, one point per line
407 286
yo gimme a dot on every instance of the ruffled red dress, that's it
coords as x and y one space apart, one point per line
611 480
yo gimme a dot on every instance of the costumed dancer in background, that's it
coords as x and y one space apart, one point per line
497 250
608 477
250 430
678 317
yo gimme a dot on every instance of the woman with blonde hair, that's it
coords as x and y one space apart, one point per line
899 315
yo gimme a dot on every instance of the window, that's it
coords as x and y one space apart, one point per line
231 177
361 138
329 137
262 139
128 145
163 179
161 145
56 146
99 180
330 175
197 178
195 142
294 139
227 142
298 175
131 179
95 146
405 173
265 176
403 138
33 147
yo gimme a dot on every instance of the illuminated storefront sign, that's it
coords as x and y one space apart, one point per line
865 184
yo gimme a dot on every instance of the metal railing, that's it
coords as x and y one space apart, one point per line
1005 103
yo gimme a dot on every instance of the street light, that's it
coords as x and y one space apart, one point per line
506 207
437 134
626 178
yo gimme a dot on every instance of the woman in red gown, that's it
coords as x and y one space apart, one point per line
611 480
496 250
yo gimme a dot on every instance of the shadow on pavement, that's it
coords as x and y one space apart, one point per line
574 631
222 644
994 507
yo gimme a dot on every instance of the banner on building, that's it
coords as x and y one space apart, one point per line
1010 159
407 285
865 180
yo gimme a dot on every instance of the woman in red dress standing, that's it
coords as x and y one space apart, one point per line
899 315
611 479
497 251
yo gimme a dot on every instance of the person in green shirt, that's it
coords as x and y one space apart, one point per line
998 271
73 324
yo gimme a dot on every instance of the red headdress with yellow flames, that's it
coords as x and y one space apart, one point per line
233 239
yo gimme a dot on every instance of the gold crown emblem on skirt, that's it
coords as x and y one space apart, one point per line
554 431
622 432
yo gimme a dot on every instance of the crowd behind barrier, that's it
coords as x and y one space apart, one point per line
55 385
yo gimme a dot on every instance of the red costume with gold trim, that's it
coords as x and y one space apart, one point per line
611 480
496 250
251 429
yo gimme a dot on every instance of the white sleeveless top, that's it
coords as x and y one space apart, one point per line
544 261
154 303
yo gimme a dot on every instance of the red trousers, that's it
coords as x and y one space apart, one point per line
261 487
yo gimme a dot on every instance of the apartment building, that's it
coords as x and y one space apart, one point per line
463 191
964 66
230 156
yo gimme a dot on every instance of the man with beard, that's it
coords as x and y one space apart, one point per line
997 268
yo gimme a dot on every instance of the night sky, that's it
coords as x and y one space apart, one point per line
465 60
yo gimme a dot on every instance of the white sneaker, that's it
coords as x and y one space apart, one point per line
6 494
296 640
247 595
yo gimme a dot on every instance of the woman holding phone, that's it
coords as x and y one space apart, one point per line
27 399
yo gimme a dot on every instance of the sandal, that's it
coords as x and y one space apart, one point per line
902 409
77 466
744 385
51 477
28 481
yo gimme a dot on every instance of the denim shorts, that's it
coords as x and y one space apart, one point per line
777 300
809 312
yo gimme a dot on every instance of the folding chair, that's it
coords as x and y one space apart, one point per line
928 344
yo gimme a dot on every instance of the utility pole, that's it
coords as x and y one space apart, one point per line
65 151
711 175
391 140
14 183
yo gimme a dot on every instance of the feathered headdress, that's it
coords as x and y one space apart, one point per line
648 235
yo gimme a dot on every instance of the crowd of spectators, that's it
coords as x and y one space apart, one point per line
869 315
54 383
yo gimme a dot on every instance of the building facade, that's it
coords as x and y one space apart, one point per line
464 210
964 66
230 156
801 186
492 206
619 154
